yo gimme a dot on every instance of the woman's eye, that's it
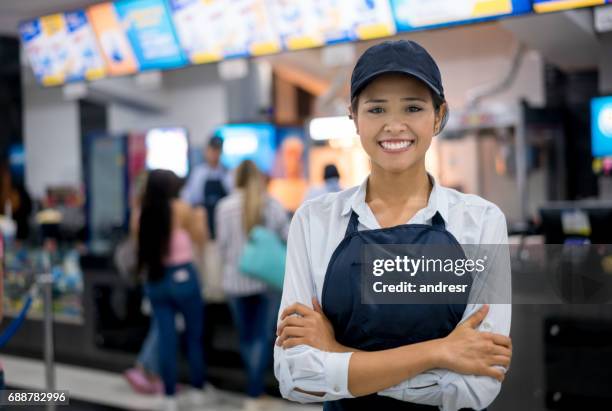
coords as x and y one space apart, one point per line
375 110
414 109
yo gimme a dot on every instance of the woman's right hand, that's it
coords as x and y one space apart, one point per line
469 351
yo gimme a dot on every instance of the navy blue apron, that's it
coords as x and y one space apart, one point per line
374 327
214 191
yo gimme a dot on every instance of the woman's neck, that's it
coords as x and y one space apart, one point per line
395 197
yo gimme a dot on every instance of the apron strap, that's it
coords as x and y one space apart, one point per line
437 221
353 224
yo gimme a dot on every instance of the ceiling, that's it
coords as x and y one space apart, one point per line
14 11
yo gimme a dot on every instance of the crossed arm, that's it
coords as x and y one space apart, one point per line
462 370
465 350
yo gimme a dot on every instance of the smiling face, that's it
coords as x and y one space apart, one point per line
396 120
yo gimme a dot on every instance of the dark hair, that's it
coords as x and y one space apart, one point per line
435 98
156 222
215 142
330 171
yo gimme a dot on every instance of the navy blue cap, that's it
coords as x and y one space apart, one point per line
399 56
330 171
215 142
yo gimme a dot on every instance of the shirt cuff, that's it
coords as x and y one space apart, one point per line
336 373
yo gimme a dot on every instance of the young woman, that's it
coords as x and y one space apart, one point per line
252 304
168 231
355 356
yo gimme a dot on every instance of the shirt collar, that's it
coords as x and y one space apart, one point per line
438 201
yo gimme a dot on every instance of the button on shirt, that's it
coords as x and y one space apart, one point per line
317 229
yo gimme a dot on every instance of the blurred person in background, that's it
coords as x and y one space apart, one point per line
331 183
253 305
21 205
169 230
208 183
144 376
290 188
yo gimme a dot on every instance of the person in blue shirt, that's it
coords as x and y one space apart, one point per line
331 183
209 182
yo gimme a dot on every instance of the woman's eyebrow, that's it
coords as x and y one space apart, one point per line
381 100
413 99
375 100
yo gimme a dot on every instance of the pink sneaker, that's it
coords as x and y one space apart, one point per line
157 385
139 381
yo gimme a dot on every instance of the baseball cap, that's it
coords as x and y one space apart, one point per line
215 142
398 56
330 171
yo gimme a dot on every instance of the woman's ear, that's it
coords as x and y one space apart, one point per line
440 114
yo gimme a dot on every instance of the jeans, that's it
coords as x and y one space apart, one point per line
178 292
149 353
255 318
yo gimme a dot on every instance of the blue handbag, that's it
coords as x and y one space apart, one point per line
263 257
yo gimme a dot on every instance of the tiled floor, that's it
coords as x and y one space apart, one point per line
98 390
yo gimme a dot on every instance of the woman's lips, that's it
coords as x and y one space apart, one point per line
396 146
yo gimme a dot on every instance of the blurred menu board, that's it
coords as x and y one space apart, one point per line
210 30
545 6
85 61
370 19
256 27
45 41
149 29
417 14
62 47
116 49
297 23
315 23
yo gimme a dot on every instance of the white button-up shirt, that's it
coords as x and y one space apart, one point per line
317 229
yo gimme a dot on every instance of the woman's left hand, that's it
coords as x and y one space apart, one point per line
310 327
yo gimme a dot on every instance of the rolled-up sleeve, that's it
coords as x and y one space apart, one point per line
322 374
447 389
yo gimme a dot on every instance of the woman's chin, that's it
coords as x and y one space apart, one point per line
396 167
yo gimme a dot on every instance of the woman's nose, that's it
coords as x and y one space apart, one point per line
395 126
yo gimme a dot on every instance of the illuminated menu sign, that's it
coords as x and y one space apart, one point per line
417 14
148 26
545 6
370 19
216 29
85 61
116 49
45 41
318 22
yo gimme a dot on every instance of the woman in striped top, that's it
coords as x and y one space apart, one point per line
252 304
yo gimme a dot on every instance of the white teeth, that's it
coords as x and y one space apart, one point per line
396 145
